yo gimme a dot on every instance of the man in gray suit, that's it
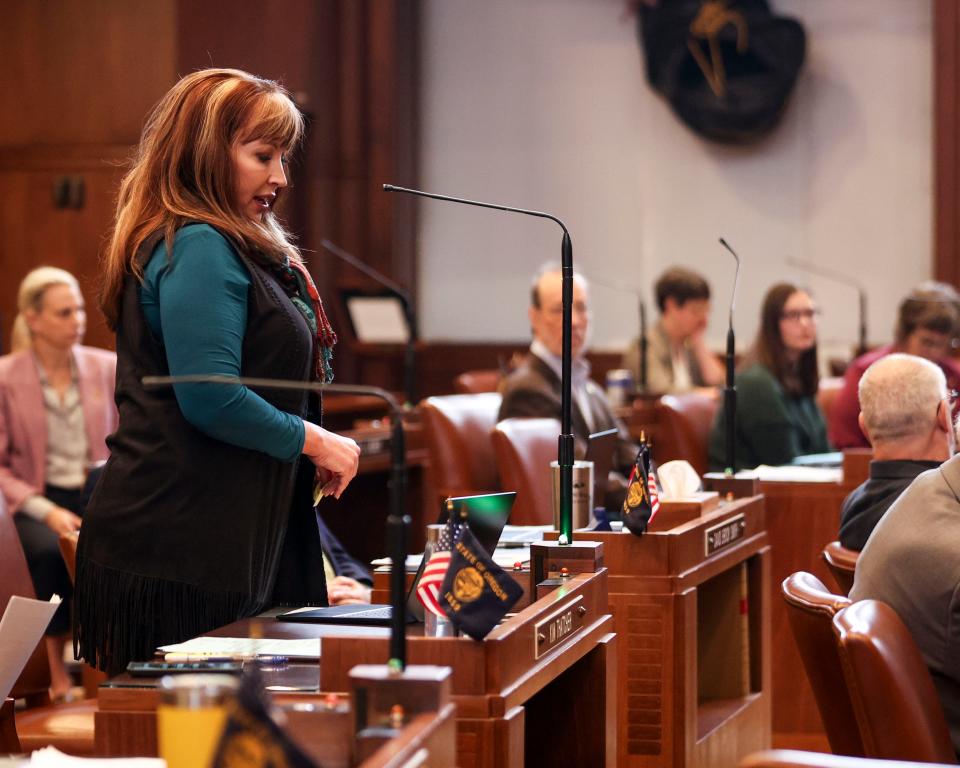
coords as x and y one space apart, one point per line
912 563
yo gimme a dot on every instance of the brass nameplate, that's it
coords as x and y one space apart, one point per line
723 535
558 626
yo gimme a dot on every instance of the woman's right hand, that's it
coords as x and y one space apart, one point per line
60 521
338 456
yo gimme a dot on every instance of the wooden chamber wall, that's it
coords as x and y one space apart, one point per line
85 74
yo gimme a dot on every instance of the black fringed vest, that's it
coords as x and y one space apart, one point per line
185 533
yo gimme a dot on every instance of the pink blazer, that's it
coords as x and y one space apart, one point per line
23 420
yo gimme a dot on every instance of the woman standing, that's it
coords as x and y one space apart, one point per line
777 414
204 512
56 410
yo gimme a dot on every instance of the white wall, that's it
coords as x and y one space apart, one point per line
544 104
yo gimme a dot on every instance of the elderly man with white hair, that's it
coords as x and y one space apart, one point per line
911 561
905 415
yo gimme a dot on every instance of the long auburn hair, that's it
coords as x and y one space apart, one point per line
800 378
183 171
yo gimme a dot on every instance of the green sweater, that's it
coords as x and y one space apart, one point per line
772 426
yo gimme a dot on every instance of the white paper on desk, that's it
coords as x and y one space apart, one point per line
793 474
51 757
21 629
308 648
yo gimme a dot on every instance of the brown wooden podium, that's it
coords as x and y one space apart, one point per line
525 695
691 607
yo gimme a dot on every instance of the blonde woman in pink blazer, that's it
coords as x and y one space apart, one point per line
56 410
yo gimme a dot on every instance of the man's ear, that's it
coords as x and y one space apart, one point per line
863 427
944 422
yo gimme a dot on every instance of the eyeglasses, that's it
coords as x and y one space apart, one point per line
796 315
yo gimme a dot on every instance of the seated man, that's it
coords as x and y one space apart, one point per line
348 581
927 321
678 359
912 563
900 412
533 389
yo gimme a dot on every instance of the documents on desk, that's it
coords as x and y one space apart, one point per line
795 474
51 757
241 647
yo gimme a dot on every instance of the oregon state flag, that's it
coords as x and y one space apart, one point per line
476 592
642 502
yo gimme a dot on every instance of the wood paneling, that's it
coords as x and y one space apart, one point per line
946 67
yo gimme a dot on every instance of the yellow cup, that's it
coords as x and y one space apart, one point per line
190 717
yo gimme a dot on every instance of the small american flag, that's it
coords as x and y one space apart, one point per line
428 590
654 496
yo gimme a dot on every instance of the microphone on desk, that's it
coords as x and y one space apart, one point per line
730 390
838 277
397 522
565 441
409 313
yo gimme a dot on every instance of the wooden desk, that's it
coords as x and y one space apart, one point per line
560 705
802 518
694 682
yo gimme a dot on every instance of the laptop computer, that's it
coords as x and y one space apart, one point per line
484 514
601 447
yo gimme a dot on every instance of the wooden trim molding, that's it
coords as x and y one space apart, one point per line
946 67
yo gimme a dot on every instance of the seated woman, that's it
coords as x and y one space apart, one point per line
777 414
56 409
927 321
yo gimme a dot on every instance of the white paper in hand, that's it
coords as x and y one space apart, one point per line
21 629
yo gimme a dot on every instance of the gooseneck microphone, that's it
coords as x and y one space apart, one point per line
397 521
565 441
409 313
843 279
730 390
644 344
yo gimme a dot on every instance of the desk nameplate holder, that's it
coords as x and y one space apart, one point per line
552 563
376 690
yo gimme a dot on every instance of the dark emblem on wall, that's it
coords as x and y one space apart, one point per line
727 67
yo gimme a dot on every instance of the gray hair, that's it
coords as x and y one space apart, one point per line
549 268
899 395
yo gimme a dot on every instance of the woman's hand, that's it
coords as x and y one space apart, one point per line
60 521
335 457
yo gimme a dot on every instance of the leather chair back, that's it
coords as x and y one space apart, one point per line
827 392
811 608
68 549
475 382
895 702
34 682
524 449
457 430
842 563
683 428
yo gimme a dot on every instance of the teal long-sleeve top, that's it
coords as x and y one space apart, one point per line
196 304
772 427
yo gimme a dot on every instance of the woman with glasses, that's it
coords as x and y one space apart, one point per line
777 414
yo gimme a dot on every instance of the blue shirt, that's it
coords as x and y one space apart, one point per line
196 305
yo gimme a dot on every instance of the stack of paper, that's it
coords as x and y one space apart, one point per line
21 630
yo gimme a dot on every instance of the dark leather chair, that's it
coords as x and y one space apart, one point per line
68 727
524 449
842 563
683 428
9 743
457 430
475 382
895 703
811 608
